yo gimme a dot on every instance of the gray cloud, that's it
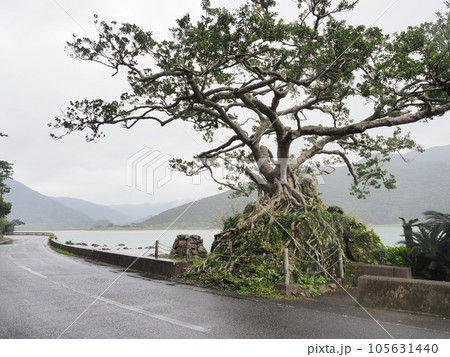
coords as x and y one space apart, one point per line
37 79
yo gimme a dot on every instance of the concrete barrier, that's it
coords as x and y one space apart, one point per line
159 266
412 295
29 233
355 270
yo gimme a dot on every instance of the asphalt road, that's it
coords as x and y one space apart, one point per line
44 294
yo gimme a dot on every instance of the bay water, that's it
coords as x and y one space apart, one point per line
134 238
390 235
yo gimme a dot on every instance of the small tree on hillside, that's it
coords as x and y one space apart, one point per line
6 171
5 207
284 91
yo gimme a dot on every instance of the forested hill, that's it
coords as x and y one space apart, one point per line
423 183
205 213
41 212
94 211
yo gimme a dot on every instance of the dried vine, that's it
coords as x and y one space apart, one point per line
247 255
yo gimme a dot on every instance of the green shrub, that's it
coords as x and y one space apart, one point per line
312 283
400 256
7 227
361 244
248 255
432 253
429 255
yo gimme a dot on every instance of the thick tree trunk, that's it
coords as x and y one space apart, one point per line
408 231
293 192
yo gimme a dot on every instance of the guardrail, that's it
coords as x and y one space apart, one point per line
29 233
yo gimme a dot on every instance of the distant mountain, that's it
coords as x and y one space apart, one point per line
205 213
423 183
143 211
95 211
41 212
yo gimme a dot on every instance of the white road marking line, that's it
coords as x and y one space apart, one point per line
135 309
10 257
26 268
31 271
155 316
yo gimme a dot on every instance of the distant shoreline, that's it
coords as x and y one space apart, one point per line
118 228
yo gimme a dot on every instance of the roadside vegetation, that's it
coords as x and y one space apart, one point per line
61 251
6 171
427 250
428 254
253 264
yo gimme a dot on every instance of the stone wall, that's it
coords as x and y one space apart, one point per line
425 296
355 270
188 246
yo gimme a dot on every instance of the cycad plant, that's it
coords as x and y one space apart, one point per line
440 222
432 247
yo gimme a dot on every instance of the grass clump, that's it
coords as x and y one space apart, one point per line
61 251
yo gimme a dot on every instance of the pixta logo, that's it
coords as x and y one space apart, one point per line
148 170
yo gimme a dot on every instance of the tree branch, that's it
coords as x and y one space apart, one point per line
376 123
346 160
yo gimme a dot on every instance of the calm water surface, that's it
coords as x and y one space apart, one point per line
389 234
133 239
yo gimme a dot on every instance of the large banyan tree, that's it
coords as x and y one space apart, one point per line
285 92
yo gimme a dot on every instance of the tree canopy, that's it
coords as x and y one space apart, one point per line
271 84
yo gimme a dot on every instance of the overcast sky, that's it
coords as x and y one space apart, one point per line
37 79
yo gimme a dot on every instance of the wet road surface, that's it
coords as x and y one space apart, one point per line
44 294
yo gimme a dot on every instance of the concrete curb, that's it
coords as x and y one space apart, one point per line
6 240
356 270
30 233
158 266
411 295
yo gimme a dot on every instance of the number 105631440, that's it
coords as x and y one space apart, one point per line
400 348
